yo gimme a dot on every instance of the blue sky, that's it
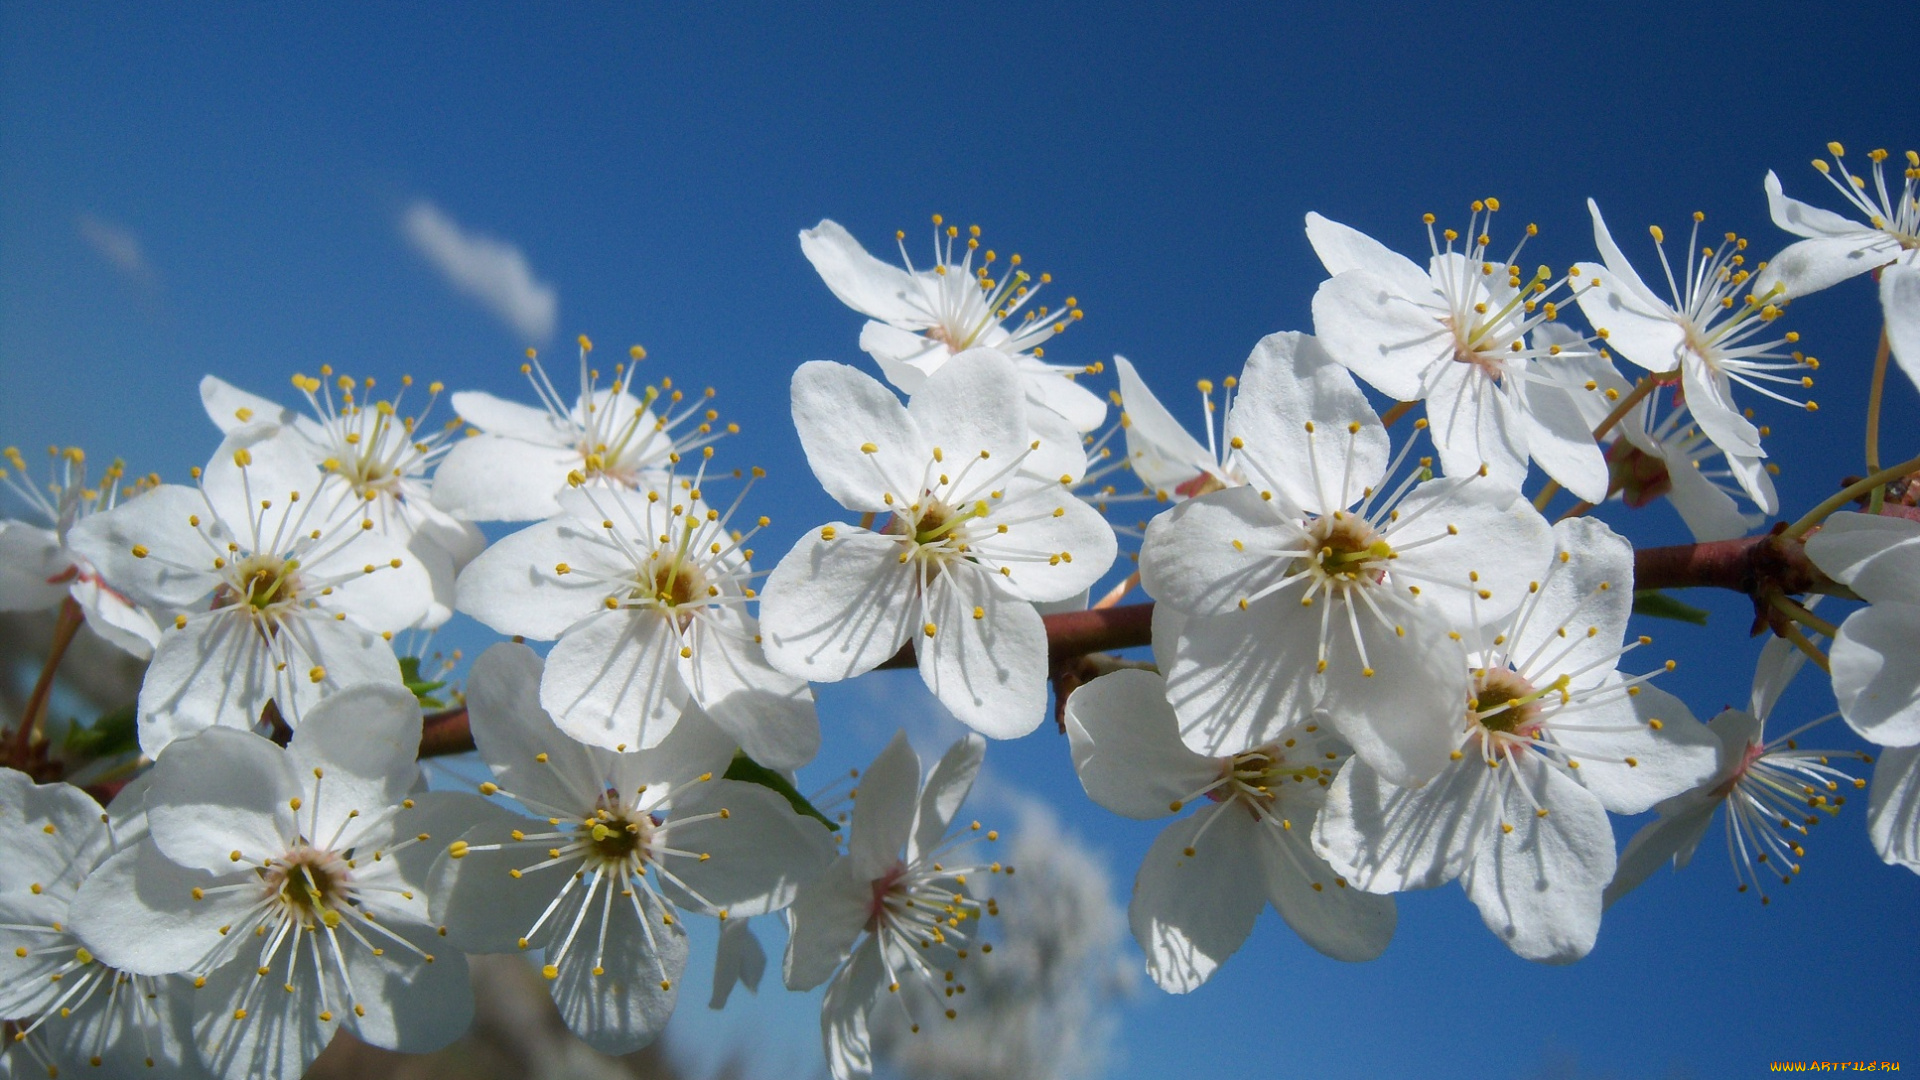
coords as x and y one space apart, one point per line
224 191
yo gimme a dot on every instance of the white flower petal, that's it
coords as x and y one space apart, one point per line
279 468
280 1036
1159 450
412 1005
1710 397
973 404
1893 807
1237 679
947 785
1386 839
482 905
1876 675
987 660
136 912
1669 839
1380 333
1291 383
1052 557
762 851
838 411
828 915
1207 554
213 672
1328 913
1055 390
1588 591
230 407
510 419
1678 755
738 958
178 568
905 357
1538 887
624 1010
1878 557
514 586
768 712
1190 912
833 609
113 618
844 1012
1560 438
1619 266
1808 266
613 681
1474 423
220 792
495 478
1061 451
1127 749
32 565
873 288
1482 573
365 739
1900 303
514 734
883 811
1342 248
1403 719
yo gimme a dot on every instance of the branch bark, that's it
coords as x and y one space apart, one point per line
1760 567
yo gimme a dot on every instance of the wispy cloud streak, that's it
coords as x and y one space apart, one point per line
118 246
491 271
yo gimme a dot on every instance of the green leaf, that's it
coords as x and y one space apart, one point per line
111 734
1659 605
749 771
410 674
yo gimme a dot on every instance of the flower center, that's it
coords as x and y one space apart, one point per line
309 884
615 840
1505 703
1639 476
1346 549
261 582
674 584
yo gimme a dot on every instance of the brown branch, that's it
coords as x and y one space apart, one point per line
1758 566
1761 567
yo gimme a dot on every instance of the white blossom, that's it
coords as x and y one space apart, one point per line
38 567
1325 585
1773 789
1463 335
969 545
1552 738
923 318
284 598
380 457
624 842
292 883
1876 672
1704 339
1900 304
1209 874
70 1010
890 922
519 457
1836 248
1656 450
1893 807
647 595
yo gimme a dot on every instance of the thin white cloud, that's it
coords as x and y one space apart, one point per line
491 271
117 245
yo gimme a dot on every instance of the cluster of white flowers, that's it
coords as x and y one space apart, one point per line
1376 666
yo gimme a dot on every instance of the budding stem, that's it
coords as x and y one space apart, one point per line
1873 417
64 629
